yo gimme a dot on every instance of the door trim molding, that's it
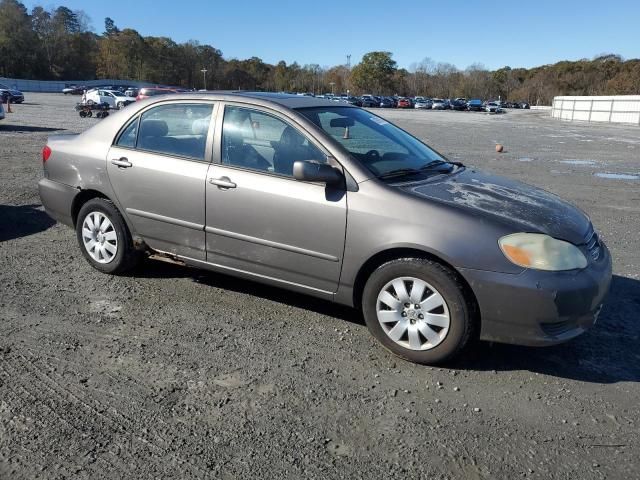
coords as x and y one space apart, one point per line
270 243
162 218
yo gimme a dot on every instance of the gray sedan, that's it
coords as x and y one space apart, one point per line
335 202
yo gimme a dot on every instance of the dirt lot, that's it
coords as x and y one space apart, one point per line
179 373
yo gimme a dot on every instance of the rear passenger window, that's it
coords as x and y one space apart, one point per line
128 136
176 129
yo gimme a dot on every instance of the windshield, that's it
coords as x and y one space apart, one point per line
380 146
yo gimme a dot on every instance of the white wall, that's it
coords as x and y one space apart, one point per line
612 109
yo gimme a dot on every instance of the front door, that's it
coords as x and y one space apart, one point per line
158 167
259 219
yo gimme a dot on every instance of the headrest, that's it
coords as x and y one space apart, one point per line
153 128
200 126
291 137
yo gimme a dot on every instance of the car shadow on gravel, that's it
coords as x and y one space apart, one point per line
159 269
608 353
28 128
18 221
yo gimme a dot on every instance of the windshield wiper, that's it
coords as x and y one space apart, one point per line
435 163
399 171
415 171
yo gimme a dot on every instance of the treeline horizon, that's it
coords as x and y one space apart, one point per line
58 44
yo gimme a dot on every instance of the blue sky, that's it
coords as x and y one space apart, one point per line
494 33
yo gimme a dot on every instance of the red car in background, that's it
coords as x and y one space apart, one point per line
404 103
153 91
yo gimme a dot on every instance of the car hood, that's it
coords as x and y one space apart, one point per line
521 206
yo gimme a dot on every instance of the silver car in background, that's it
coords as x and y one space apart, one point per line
423 104
439 104
493 107
333 201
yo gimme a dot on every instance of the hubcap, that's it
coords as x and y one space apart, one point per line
413 313
99 237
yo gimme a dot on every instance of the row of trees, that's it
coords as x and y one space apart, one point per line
58 44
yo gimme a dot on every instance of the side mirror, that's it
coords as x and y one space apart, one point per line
311 171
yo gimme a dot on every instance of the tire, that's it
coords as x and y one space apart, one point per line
118 258
120 105
442 342
89 113
90 102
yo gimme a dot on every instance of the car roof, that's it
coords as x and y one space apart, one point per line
288 100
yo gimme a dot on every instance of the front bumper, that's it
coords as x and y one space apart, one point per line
538 308
57 200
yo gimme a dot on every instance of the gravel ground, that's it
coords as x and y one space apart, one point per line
175 372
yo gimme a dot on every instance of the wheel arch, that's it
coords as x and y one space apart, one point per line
384 256
83 197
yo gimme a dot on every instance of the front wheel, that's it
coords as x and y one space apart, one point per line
419 310
104 238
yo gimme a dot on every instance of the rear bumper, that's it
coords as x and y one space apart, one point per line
539 308
57 200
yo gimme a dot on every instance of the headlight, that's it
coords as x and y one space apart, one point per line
542 252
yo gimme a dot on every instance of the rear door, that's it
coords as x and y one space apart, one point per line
259 219
158 167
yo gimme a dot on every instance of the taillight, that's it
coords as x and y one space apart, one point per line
46 153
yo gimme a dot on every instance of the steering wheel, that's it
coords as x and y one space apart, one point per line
372 155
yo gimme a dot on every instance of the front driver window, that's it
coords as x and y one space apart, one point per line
259 141
175 129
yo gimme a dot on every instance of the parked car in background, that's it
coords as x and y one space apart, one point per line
475 105
375 219
492 107
12 94
423 104
368 101
438 104
524 105
404 102
458 105
73 90
113 98
132 92
147 92
386 102
351 100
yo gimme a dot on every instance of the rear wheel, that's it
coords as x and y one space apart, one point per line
120 105
104 238
418 310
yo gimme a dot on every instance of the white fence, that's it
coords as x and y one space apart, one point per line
613 109
57 86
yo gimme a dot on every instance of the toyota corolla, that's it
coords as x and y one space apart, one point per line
333 201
